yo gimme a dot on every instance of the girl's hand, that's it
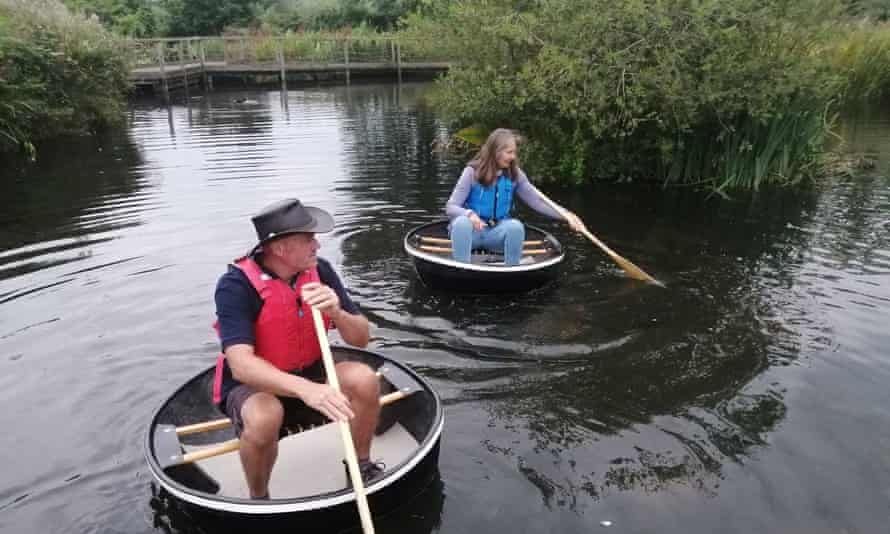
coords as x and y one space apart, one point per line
477 222
575 223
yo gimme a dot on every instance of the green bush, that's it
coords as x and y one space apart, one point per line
710 92
59 73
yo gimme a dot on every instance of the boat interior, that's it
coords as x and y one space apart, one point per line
310 459
309 463
433 238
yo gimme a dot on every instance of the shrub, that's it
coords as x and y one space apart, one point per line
709 92
59 73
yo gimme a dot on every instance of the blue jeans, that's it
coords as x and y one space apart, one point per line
507 237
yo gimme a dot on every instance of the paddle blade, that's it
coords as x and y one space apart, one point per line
633 271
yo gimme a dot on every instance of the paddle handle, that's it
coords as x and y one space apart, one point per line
358 485
563 212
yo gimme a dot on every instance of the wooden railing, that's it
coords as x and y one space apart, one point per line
158 60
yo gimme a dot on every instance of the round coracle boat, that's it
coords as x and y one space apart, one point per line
430 247
192 453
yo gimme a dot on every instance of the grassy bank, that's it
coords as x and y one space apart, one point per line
60 73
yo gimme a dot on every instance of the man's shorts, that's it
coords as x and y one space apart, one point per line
296 413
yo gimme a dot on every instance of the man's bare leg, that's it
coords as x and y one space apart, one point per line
262 415
362 387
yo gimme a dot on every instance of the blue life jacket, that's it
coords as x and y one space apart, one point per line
494 202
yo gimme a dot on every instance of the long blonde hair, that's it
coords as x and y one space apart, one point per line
486 163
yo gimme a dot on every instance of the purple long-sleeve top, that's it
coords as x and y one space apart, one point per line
522 188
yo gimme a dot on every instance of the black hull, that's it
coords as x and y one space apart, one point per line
421 488
457 280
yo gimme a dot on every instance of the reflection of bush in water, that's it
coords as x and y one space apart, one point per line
696 399
735 433
752 416
47 200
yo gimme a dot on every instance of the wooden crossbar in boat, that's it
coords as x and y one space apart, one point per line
527 252
443 241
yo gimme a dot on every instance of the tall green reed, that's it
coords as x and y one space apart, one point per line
750 153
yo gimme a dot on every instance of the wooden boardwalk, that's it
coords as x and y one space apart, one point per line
170 64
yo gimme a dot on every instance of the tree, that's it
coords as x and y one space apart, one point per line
207 17
333 14
136 18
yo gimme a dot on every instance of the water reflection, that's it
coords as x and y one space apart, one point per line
89 190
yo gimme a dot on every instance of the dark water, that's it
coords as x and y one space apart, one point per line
749 396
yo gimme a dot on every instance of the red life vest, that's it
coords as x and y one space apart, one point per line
284 331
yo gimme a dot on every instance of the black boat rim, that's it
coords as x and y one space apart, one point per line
292 505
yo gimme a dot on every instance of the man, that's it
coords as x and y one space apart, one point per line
271 375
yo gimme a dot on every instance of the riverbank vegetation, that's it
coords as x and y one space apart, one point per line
59 73
721 94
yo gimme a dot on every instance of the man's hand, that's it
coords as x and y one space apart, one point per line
477 222
327 400
322 297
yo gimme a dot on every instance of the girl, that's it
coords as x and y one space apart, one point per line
480 205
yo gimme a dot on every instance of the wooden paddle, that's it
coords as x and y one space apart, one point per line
632 270
361 499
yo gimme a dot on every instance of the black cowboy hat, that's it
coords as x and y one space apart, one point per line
290 216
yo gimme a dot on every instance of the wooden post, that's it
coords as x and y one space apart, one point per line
203 56
243 50
399 61
283 65
346 55
185 70
165 89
